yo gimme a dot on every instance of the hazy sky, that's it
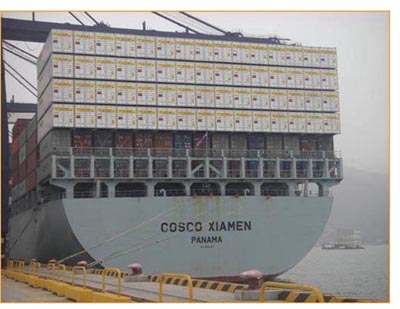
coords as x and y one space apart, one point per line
361 40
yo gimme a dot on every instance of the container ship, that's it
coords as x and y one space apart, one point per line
187 153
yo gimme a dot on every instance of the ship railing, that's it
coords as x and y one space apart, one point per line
196 153
267 192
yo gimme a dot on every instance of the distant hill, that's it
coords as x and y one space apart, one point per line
361 202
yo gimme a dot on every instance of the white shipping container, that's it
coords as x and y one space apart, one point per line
166 95
308 56
105 68
85 116
125 45
264 54
147 118
126 93
314 123
274 53
184 49
277 77
126 117
106 117
295 100
222 51
298 56
204 73
290 78
145 46
165 48
290 55
316 57
57 66
279 122
308 78
331 123
205 96
166 71
106 92
146 94
84 67
58 41
58 90
57 116
205 119
236 52
125 69
224 120
297 122
245 49
84 43
313 101
329 79
85 91
105 44
330 101
316 77
242 98
261 121
166 118
185 72
254 53
241 75
146 70
278 99
185 95
203 50
260 98
243 121
223 74
259 76
186 119
223 97
332 58
324 57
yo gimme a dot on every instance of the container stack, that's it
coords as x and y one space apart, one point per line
122 90
24 157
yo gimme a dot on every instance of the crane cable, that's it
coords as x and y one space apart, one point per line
130 248
118 235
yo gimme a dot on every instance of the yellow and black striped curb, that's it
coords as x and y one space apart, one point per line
109 273
302 297
203 284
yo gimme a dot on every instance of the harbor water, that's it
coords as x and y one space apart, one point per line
354 273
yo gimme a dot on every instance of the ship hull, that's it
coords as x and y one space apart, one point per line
207 237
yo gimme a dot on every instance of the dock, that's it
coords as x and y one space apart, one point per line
56 283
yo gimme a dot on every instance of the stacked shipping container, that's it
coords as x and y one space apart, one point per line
133 82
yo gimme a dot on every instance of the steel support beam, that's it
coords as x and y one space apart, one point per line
37 31
21 107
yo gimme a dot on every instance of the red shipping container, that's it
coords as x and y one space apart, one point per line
22 171
143 140
163 144
123 139
15 147
14 178
32 143
82 139
14 163
19 126
32 162
31 182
